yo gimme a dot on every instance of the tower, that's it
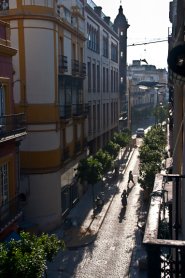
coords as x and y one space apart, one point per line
120 26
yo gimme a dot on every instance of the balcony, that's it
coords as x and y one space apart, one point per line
168 260
80 110
75 66
63 64
66 154
83 70
10 212
12 125
78 147
66 111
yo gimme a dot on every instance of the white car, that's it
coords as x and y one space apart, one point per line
140 132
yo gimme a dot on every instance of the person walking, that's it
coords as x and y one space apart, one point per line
124 198
130 178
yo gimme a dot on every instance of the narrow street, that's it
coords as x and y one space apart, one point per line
110 254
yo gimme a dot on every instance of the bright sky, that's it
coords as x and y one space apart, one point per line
148 20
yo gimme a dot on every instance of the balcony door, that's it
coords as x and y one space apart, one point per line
4 192
2 101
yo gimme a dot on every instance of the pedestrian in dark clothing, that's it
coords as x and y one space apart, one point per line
130 178
124 198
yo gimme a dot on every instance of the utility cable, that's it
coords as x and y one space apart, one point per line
144 43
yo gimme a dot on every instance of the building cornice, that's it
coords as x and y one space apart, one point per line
58 20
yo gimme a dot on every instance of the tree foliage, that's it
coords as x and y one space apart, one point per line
27 257
122 139
112 148
105 159
151 154
90 170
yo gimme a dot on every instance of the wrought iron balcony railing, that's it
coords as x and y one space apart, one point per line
75 65
80 109
66 111
63 64
12 124
82 69
10 211
66 153
78 147
168 260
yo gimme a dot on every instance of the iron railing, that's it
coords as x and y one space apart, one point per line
75 65
80 109
63 64
82 69
78 147
168 260
9 211
66 111
69 110
12 124
66 153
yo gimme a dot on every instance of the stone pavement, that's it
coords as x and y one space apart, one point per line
85 225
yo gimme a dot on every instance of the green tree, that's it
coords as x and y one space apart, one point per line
122 139
90 170
27 257
105 159
151 155
112 148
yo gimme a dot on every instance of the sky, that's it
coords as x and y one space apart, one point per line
149 21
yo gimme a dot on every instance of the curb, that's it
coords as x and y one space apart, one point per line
93 237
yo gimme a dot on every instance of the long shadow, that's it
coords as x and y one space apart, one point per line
69 260
129 189
121 216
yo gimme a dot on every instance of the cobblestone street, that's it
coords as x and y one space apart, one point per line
113 252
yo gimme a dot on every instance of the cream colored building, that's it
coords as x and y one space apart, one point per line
49 72
102 83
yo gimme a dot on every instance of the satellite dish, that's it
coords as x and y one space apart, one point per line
176 59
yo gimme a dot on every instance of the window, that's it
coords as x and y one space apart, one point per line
92 37
98 78
121 33
114 52
89 119
94 77
121 54
4 5
105 45
103 79
89 76
4 192
2 100
107 79
98 116
111 80
94 118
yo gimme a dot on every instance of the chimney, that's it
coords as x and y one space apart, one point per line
107 19
97 10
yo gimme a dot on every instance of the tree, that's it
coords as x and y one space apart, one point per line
27 257
112 148
151 154
90 170
105 159
122 139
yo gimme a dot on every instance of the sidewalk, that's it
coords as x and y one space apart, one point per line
85 226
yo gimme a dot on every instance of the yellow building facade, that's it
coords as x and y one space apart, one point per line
49 70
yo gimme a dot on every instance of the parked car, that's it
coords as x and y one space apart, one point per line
140 132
